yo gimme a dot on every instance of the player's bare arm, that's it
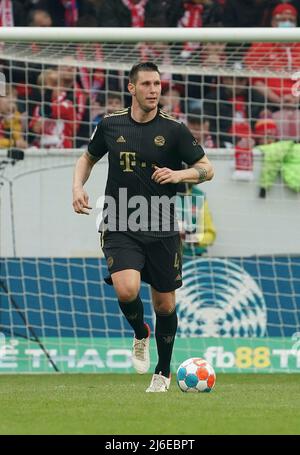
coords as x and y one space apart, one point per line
82 172
200 172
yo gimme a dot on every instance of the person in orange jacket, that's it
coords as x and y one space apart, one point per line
11 128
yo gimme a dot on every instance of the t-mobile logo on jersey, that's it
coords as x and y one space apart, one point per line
179 213
128 161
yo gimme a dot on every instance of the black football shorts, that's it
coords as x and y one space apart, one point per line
159 260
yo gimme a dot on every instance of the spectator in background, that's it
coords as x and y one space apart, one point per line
72 89
198 13
12 13
24 75
288 119
192 17
265 131
99 108
199 127
274 3
54 119
11 129
95 82
91 80
139 13
233 102
243 142
113 103
171 101
276 57
213 54
39 18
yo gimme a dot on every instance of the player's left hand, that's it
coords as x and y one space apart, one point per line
164 175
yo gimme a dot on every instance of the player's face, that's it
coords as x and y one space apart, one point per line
147 89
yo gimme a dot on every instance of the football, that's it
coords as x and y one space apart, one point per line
196 375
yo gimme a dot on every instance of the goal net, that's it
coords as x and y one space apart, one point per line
238 93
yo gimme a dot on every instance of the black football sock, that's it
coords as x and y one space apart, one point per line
134 313
165 331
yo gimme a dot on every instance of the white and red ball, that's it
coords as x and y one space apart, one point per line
196 375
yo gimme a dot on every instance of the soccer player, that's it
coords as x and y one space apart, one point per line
146 148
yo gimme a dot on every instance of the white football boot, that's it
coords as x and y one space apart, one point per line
159 383
141 354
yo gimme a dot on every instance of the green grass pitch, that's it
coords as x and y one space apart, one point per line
115 404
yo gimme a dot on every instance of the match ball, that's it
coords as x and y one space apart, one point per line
196 375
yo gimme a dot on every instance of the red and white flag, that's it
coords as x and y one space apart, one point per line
137 12
6 13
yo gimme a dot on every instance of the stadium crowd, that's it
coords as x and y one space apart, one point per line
58 106
140 13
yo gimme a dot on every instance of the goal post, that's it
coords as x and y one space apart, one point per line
155 34
240 303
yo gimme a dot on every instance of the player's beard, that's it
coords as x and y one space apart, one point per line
146 108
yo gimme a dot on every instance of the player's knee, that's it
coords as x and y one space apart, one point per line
164 308
164 303
127 294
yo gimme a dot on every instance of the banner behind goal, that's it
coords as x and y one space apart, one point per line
239 305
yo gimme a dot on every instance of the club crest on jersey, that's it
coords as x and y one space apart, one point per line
159 141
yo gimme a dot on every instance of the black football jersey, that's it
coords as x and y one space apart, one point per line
134 149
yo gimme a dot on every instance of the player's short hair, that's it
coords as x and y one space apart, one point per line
145 66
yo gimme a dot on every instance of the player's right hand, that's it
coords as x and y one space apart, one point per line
81 201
